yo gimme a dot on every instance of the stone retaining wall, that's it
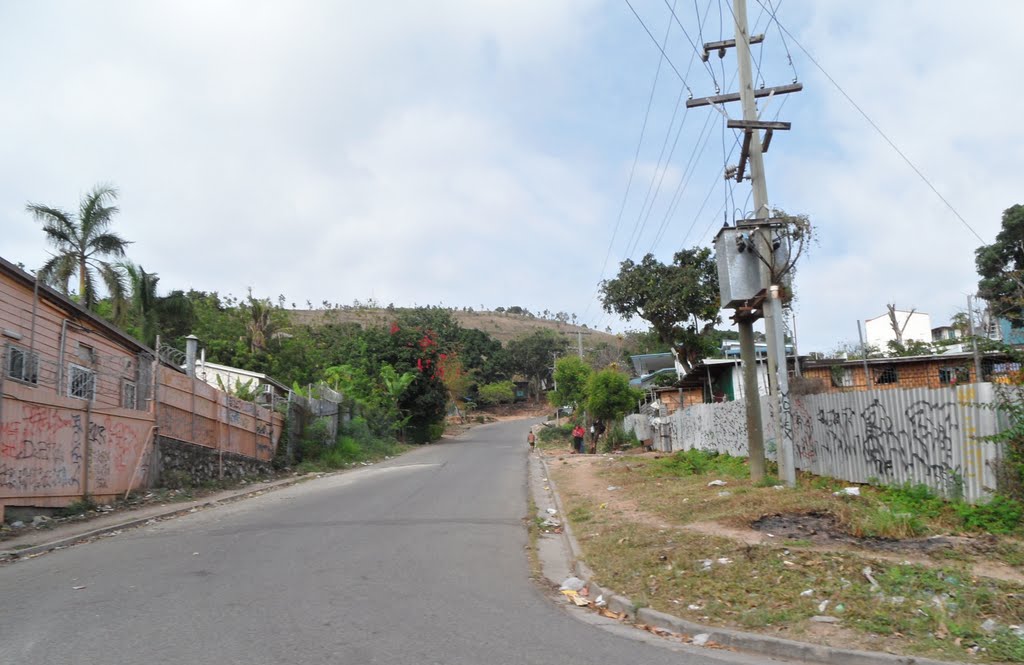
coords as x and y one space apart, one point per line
175 460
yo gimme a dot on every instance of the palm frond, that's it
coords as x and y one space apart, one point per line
107 244
94 215
57 271
114 279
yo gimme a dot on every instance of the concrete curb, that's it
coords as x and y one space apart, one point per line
67 541
755 643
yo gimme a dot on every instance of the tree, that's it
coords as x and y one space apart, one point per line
680 300
1001 267
610 396
533 355
571 376
141 315
82 242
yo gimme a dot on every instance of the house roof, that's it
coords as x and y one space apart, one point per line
71 307
952 357
245 372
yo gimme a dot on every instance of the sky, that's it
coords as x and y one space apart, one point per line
485 153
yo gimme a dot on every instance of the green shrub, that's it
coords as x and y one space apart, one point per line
1000 515
617 437
699 462
502 392
919 500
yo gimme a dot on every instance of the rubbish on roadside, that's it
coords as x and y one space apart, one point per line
867 573
724 561
612 488
717 483
822 606
700 639
600 601
572 584
897 600
575 598
807 593
79 588
550 523
840 608
195 554
1017 630
695 608
552 511
989 626
778 487
17 525
847 491
825 619
725 493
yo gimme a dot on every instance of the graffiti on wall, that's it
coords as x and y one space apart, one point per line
36 451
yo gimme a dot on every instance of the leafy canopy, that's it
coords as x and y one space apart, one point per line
610 396
1001 267
680 300
571 376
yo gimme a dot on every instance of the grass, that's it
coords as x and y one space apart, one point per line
354 445
933 610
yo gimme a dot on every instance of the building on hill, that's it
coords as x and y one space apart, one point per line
916 327
229 379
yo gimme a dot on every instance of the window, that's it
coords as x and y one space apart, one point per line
81 382
886 375
129 395
22 365
951 376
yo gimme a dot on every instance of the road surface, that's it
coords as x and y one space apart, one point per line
418 560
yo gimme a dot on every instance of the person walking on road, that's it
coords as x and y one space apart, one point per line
531 439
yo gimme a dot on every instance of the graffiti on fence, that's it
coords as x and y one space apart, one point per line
917 442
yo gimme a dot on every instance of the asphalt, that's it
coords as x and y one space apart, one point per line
559 556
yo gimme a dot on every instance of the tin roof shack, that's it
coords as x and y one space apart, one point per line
75 399
932 371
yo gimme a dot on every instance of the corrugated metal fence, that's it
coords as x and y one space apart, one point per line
933 437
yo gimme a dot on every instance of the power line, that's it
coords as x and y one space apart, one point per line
878 129
660 48
696 51
636 158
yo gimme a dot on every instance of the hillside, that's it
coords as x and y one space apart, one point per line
500 325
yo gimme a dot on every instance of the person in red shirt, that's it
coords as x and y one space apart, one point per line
577 438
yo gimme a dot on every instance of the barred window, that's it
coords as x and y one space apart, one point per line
22 365
887 375
129 395
954 375
81 382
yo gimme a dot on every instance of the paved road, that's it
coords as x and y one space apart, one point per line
418 560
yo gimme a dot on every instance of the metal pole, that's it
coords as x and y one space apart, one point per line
774 329
864 357
974 341
752 397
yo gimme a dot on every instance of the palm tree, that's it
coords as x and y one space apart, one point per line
143 316
81 242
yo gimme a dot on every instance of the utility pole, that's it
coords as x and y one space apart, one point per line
579 341
773 322
768 303
974 341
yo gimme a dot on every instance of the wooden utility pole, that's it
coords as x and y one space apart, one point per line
769 302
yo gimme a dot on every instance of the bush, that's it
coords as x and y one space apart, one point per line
1000 515
557 435
699 462
617 438
502 392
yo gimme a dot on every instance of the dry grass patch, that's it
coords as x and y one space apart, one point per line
636 519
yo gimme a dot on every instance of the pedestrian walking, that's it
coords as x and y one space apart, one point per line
531 439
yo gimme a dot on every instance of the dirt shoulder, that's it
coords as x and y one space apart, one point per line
709 546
